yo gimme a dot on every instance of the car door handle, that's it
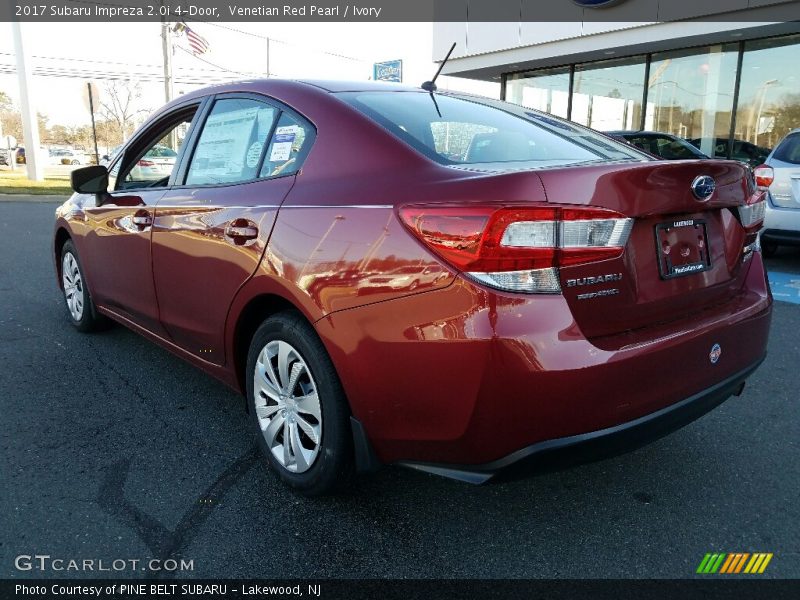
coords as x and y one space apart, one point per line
142 219
241 231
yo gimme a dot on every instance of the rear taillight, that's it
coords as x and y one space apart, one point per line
751 216
146 163
764 176
518 248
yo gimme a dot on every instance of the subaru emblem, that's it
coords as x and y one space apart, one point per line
703 187
716 352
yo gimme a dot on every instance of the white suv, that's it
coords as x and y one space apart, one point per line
780 174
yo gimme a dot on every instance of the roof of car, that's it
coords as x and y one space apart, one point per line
267 85
332 85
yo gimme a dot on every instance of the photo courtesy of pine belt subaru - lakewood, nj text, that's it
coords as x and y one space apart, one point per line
447 282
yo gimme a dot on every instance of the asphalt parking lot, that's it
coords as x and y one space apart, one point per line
114 449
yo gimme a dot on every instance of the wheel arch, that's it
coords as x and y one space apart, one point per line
254 313
62 236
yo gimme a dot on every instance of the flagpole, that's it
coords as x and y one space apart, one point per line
166 47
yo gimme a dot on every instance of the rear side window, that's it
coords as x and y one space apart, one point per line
231 145
789 149
464 130
288 147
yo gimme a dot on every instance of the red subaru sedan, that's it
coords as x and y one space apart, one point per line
437 280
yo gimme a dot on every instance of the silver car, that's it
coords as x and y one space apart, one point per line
780 174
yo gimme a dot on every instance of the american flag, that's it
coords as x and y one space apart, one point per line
197 43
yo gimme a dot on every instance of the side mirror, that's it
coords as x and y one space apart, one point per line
90 180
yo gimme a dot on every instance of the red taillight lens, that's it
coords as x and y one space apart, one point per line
518 248
764 176
146 163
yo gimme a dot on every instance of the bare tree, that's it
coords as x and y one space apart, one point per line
120 105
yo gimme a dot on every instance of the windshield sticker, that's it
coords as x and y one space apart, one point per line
223 144
253 154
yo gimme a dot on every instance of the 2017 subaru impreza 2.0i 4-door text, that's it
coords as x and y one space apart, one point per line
442 281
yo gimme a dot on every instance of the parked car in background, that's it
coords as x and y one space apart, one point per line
551 295
408 277
664 145
66 156
156 164
780 175
742 151
73 157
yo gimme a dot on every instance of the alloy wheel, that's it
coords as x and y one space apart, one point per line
287 406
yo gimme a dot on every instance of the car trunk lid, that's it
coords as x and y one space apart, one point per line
684 253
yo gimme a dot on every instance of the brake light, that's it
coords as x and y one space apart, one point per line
751 216
764 176
518 248
146 163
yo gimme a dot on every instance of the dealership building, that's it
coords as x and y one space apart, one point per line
725 76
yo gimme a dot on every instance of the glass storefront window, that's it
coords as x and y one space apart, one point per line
769 96
546 90
607 95
690 94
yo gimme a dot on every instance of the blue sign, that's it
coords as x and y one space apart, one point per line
596 3
785 286
390 70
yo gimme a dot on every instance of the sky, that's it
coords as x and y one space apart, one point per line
81 52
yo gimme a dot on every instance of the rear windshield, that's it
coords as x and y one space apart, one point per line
464 130
789 150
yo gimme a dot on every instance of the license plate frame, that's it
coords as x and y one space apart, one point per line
676 235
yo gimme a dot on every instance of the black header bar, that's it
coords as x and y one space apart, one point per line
121 11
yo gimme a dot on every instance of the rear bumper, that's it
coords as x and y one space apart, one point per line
596 445
463 376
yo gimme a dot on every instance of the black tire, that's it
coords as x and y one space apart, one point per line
76 162
333 465
769 249
89 319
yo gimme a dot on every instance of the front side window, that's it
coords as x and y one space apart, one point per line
156 158
231 145
464 130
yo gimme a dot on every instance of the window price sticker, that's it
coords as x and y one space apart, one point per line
282 143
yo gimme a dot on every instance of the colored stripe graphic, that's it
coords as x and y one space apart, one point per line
702 567
727 565
734 562
764 564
